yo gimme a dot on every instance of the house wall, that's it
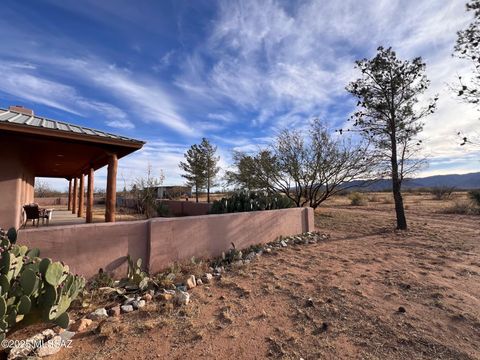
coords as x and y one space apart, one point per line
161 241
16 185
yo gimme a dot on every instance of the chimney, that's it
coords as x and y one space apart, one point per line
21 109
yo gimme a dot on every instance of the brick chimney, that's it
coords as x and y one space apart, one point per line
21 109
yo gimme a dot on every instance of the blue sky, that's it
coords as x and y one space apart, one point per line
170 72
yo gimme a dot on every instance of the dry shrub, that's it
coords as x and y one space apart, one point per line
373 198
442 192
462 207
356 199
387 200
179 271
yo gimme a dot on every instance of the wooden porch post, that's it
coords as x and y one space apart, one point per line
69 202
74 195
111 196
90 195
81 197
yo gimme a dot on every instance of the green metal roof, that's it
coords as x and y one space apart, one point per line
18 118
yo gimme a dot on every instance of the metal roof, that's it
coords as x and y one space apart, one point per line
21 119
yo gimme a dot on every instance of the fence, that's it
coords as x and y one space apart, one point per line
161 241
175 207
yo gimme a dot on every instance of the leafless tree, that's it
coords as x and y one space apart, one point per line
309 168
144 192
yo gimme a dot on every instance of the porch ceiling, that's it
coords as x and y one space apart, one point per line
60 157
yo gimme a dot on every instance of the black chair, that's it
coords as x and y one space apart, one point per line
33 212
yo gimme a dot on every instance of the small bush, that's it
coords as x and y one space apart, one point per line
163 210
442 192
373 198
462 207
356 199
475 196
387 200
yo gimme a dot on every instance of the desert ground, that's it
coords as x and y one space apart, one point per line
366 292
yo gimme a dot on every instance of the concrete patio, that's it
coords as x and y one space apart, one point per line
59 217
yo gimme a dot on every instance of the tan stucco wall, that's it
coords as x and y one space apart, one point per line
11 188
187 208
16 184
161 241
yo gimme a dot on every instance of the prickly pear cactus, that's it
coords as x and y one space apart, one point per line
250 201
33 289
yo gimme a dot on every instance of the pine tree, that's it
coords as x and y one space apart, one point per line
210 161
194 168
387 114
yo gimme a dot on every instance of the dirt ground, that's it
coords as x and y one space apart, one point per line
338 299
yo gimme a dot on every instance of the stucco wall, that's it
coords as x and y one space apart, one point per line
187 208
16 184
12 187
161 241
49 201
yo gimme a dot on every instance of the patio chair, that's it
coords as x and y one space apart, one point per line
33 212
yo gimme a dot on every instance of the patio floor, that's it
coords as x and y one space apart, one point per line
60 217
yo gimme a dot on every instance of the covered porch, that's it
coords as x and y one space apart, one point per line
33 146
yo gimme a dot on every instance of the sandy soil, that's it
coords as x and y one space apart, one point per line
336 299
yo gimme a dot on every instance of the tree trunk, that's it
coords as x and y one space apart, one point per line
196 193
396 189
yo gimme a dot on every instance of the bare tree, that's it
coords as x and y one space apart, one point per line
388 114
310 168
144 191
467 47
42 189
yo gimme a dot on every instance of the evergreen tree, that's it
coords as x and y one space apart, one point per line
387 114
194 168
210 161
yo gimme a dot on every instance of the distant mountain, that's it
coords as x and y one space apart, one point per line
461 182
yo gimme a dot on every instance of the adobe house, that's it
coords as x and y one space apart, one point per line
33 146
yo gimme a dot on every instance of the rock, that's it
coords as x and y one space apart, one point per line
182 298
181 287
199 282
207 278
309 302
137 304
167 295
250 256
191 282
98 314
147 297
129 301
114 311
24 349
81 325
56 343
126 308
268 250
238 263
283 243
402 310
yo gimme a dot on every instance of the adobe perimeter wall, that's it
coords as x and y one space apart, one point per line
187 208
161 241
